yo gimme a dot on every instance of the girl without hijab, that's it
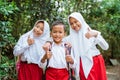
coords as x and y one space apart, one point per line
29 48
90 63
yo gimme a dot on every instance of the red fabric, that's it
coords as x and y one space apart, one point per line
98 71
56 74
29 72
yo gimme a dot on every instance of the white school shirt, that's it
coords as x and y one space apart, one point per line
22 48
32 53
93 51
58 57
84 48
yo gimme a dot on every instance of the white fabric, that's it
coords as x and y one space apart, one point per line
32 53
83 47
58 57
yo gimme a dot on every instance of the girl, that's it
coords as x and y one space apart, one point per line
57 67
90 63
29 48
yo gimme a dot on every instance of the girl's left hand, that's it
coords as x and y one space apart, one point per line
68 44
91 33
69 59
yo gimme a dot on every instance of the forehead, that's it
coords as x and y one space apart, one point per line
58 27
72 19
40 24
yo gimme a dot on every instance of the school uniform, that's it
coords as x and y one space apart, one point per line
30 54
57 67
90 63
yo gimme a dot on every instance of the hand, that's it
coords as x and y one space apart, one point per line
91 33
47 55
67 44
30 40
47 46
69 59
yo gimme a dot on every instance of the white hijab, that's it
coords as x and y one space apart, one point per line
33 53
81 45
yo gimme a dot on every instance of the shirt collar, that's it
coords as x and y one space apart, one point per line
62 44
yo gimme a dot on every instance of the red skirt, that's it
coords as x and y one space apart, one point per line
29 72
56 74
98 71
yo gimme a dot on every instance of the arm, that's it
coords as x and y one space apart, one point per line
70 57
44 57
101 42
98 38
20 47
73 58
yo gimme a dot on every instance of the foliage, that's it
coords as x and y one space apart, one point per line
6 40
105 17
18 17
7 69
112 18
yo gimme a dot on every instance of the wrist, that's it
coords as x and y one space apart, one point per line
72 62
43 60
95 34
49 42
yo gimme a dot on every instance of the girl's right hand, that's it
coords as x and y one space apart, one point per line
91 33
47 46
48 54
69 59
30 40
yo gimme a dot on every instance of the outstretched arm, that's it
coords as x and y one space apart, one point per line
98 38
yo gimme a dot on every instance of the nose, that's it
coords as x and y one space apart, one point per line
57 34
38 31
74 24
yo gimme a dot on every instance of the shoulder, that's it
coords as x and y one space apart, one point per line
67 38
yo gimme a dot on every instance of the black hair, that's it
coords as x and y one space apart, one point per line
58 22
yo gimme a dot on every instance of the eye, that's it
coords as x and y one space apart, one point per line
60 32
41 29
37 26
71 23
54 31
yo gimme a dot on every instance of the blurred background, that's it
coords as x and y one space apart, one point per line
19 16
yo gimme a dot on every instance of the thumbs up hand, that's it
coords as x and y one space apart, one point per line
30 40
91 33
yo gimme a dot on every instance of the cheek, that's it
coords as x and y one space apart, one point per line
73 27
34 30
79 27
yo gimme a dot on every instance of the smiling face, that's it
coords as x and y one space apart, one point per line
75 24
38 29
57 33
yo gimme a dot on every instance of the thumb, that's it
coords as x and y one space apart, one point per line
89 29
29 37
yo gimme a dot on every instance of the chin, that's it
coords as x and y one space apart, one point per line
36 35
57 42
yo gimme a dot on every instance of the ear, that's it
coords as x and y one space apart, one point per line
65 34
